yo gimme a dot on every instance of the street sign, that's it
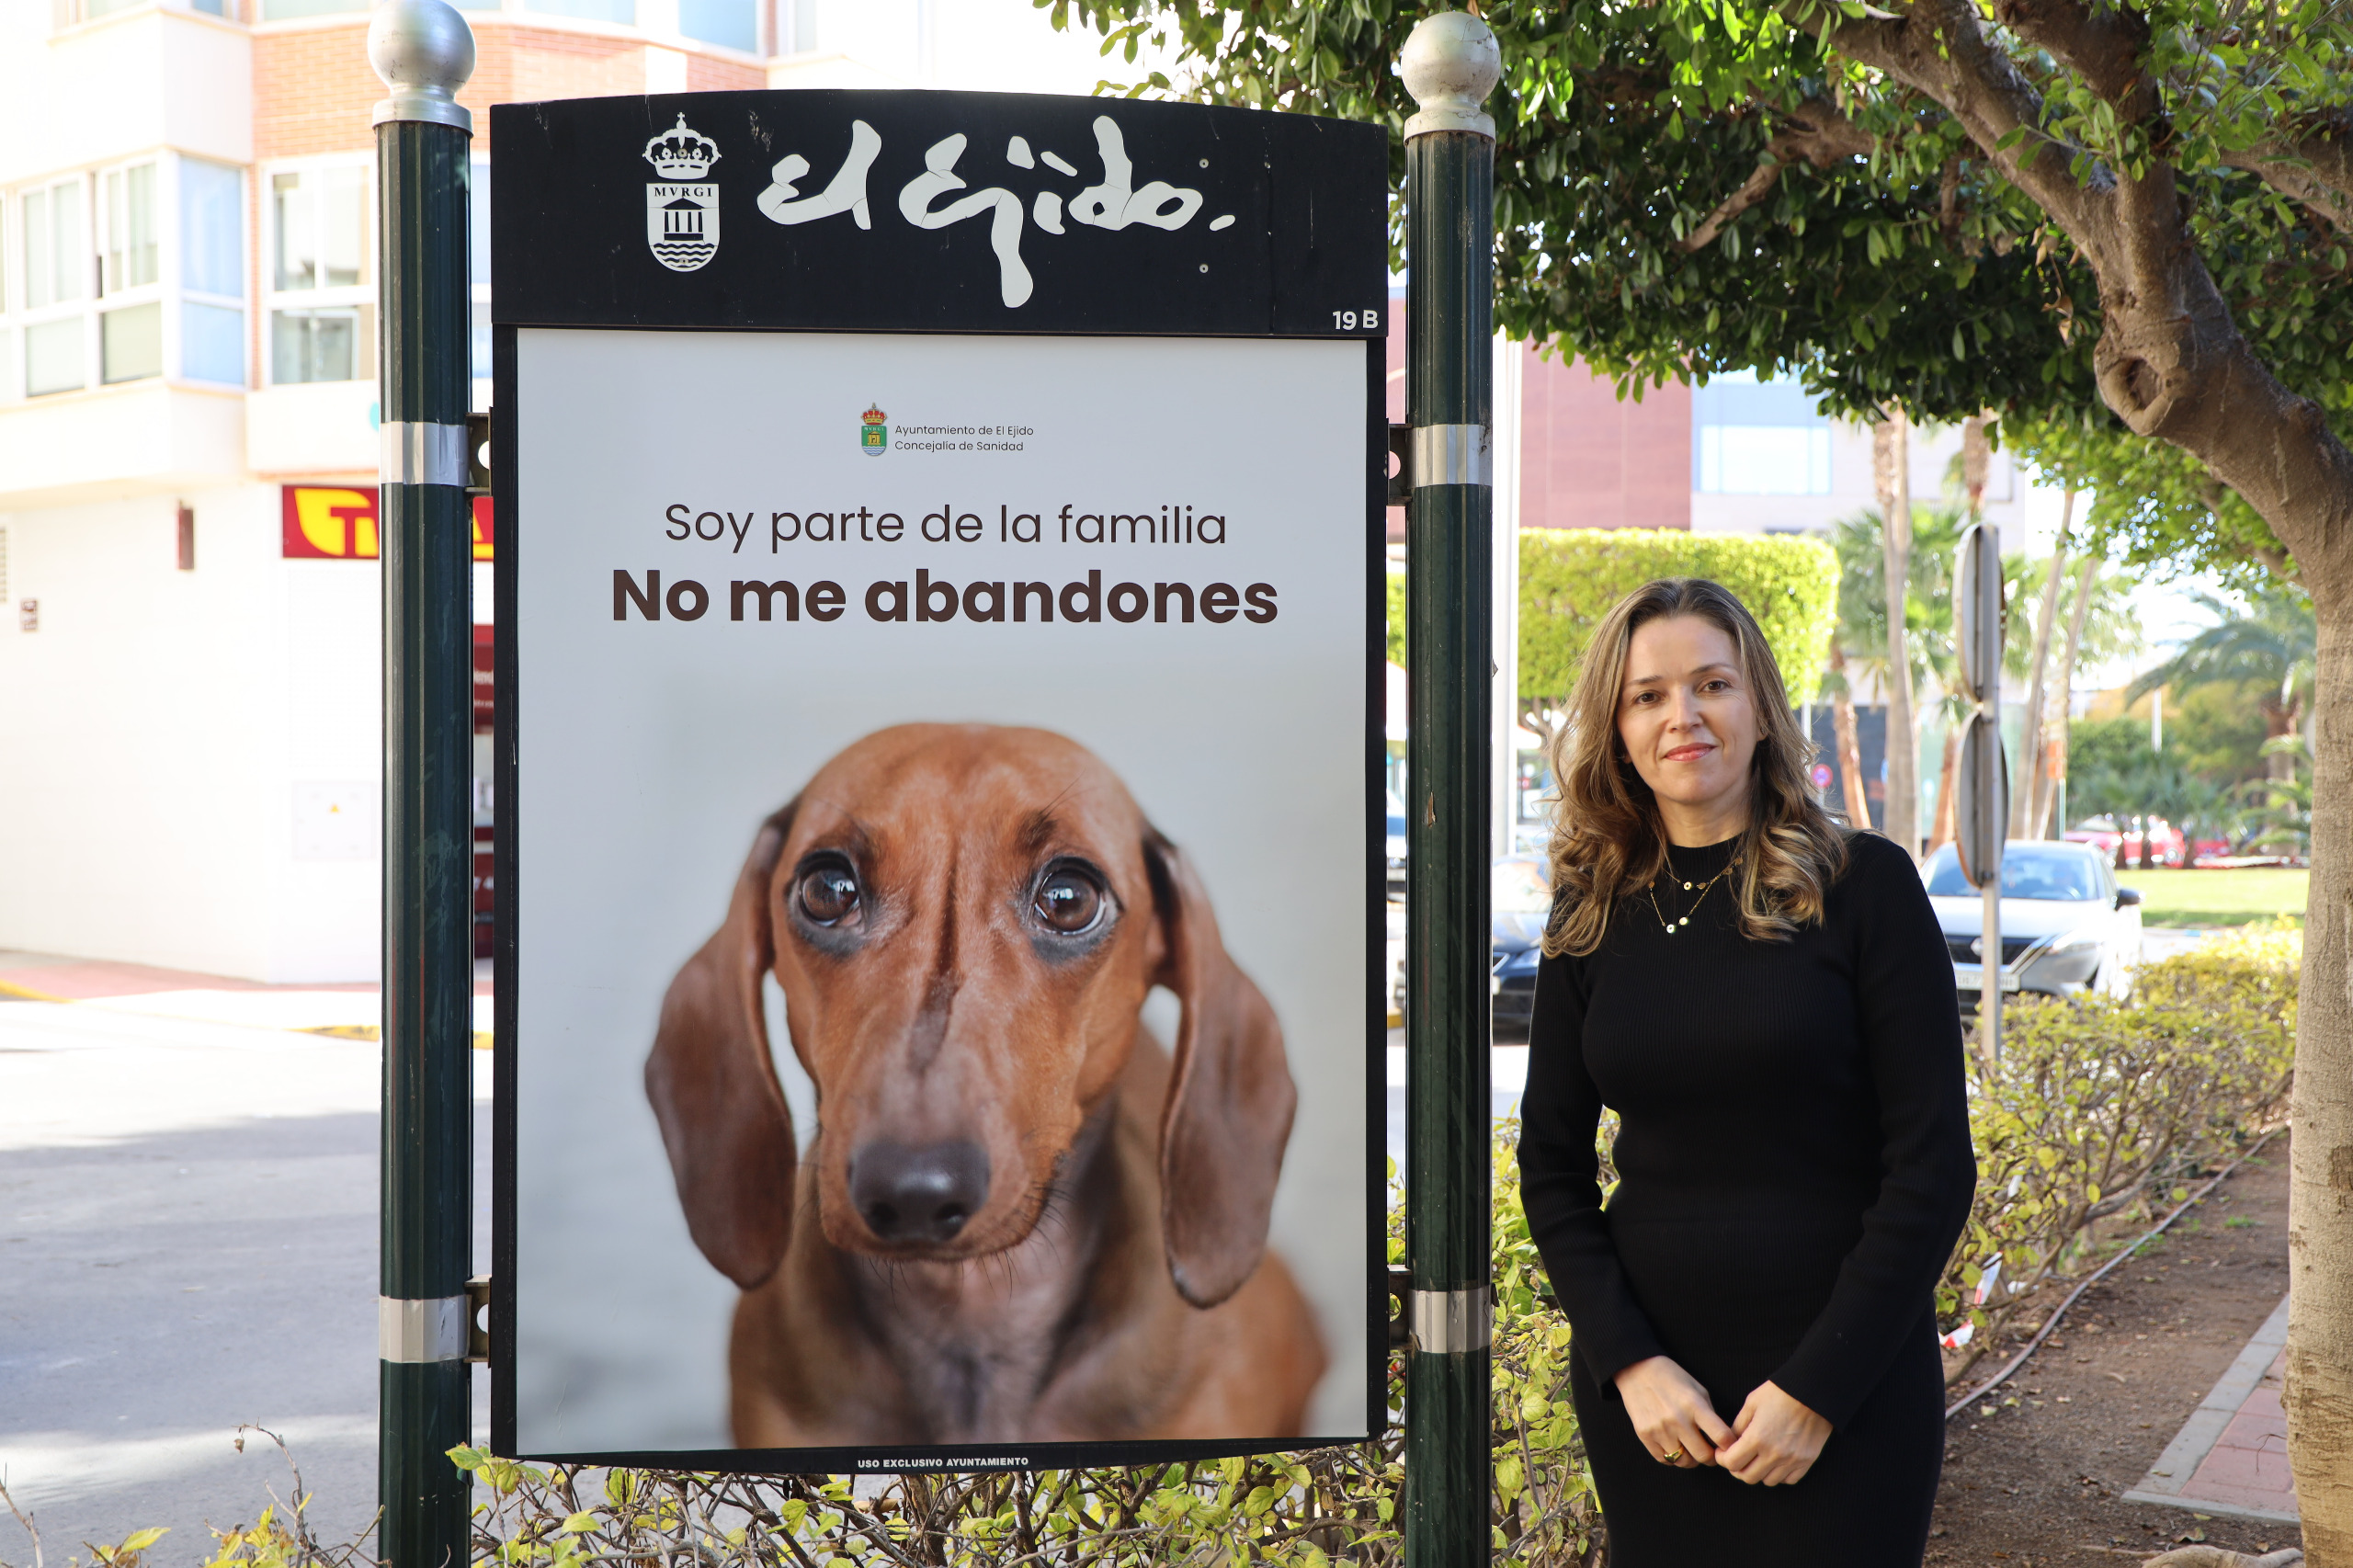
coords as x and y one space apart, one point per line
940 626
1982 784
1982 816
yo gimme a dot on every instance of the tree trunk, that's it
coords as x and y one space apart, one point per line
2278 720
2026 805
2320 1194
1948 818
1892 459
1850 748
2085 575
2172 364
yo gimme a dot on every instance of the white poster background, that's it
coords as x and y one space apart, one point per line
650 753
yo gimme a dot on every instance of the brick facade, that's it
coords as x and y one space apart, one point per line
1586 460
314 88
1590 461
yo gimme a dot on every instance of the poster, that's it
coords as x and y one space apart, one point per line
939 1020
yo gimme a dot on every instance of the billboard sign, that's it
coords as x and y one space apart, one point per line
941 843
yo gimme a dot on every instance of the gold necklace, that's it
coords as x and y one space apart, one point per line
1670 926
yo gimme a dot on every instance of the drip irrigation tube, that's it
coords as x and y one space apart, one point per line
1998 1379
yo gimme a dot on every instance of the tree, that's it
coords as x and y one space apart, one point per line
2037 207
2273 640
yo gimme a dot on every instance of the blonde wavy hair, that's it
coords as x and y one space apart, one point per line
1607 839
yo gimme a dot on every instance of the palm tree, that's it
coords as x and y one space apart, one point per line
2273 638
1861 636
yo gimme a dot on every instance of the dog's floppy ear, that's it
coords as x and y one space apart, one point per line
1230 1098
714 1086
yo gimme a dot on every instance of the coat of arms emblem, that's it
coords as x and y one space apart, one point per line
681 213
873 434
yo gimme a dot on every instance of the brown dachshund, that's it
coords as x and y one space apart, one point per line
1025 1225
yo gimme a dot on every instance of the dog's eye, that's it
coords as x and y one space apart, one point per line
829 894
1069 901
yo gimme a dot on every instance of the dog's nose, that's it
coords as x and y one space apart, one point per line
919 1195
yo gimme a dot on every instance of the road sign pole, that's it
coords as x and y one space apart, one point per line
424 52
1449 63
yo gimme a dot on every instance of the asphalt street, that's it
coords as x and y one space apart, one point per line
187 1240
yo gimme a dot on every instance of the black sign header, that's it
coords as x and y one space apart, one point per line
923 212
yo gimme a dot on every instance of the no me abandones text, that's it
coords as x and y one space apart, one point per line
927 598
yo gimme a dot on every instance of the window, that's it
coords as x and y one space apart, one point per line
731 24
130 267
131 343
55 330
130 261
1753 436
321 319
286 10
53 244
621 11
212 272
128 273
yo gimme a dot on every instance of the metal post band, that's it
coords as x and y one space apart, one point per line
414 453
429 1330
1447 1323
1453 454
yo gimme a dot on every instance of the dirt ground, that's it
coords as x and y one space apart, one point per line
2040 1481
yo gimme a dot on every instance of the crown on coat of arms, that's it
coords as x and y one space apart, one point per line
681 153
873 415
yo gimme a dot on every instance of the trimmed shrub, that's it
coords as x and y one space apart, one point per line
2103 1110
1569 578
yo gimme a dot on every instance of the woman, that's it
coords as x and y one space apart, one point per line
1765 1001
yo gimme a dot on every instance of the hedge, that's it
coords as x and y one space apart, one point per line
1569 578
2102 1110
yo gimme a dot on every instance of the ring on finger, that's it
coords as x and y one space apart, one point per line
1672 1456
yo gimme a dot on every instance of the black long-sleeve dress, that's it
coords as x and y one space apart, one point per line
1794 1167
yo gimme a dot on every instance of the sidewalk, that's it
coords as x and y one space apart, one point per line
2232 1455
351 1010
188 1240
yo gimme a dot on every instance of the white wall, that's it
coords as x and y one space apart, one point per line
160 726
120 86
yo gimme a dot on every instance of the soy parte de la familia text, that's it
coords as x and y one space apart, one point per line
1170 523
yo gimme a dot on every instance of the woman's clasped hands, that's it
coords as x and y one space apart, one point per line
1772 1442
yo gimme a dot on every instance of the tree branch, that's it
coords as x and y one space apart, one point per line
1816 134
2314 171
1941 49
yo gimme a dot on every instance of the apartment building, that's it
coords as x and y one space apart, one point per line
189 753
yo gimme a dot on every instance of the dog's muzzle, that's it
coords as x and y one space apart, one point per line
918 1196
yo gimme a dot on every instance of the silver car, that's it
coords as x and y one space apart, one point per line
2067 928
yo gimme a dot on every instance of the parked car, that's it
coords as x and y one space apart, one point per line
2066 926
2166 845
1520 901
1396 846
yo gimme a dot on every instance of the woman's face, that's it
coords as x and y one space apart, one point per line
1689 721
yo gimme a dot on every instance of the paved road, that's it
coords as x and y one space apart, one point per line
188 1240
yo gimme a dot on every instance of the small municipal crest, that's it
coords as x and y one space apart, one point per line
681 213
873 434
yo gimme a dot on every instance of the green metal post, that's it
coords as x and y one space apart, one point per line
424 52
1449 63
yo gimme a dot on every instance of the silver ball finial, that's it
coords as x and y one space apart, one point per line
424 52
1451 62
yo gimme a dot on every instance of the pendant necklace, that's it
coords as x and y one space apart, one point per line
1671 925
